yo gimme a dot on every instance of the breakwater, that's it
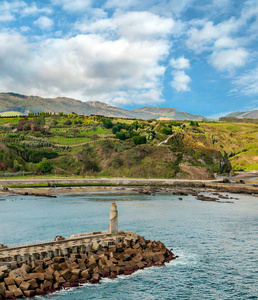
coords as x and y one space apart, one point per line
42 268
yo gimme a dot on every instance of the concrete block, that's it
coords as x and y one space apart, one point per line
3 268
2 288
85 274
33 284
8 294
76 272
60 280
29 293
66 274
24 286
47 284
57 252
18 292
9 281
12 287
2 275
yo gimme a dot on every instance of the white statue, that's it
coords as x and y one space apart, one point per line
113 225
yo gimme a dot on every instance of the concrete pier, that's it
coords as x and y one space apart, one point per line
76 243
39 269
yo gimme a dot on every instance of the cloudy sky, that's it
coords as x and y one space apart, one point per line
196 56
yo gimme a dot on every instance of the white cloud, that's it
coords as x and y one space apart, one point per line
34 9
226 42
73 5
201 39
229 59
44 23
246 84
25 28
180 63
143 25
131 26
88 67
181 81
9 10
6 17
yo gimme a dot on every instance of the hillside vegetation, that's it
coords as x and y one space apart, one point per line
73 144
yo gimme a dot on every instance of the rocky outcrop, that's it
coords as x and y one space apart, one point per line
43 276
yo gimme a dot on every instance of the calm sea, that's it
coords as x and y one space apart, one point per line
217 243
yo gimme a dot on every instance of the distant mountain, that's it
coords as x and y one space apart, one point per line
168 113
251 114
34 104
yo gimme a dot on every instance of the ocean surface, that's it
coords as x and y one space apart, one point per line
217 243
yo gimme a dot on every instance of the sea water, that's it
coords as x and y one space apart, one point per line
217 243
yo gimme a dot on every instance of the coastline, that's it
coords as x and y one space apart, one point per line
235 185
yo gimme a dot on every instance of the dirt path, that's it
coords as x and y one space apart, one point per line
164 142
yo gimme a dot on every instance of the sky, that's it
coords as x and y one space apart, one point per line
195 56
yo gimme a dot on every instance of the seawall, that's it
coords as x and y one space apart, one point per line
43 268
230 187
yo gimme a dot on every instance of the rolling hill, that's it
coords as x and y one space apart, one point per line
251 114
24 104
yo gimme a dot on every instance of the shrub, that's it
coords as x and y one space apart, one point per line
165 130
68 122
45 166
115 129
107 123
194 123
139 140
121 135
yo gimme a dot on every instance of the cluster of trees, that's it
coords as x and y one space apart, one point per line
125 131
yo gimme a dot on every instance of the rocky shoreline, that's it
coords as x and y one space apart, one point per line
44 276
146 186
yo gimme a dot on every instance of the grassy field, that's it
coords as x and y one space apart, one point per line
238 140
10 113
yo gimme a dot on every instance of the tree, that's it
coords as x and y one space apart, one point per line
139 140
68 122
121 135
45 166
107 123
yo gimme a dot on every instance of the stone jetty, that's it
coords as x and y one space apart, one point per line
38 269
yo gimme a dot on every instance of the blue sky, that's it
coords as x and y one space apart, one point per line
196 56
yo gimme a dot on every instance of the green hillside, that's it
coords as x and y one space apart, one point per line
74 144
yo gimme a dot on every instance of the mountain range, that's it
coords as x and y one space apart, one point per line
34 104
251 114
